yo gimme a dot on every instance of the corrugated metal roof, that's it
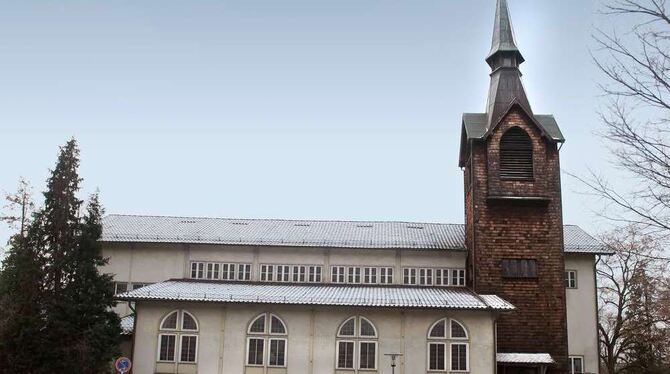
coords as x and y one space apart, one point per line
524 358
318 294
278 232
127 324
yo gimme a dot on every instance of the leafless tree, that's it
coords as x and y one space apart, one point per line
633 289
635 62
18 207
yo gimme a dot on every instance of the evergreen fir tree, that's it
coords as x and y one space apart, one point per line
79 323
55 306
21 319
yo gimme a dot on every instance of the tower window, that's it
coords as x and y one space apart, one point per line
516 155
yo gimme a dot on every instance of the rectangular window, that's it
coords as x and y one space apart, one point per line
442 277
337 274
354 274
458 277
255 351
210 270
426 277
120 287
345 355
386 275
437 356
459 357
217 267
198 270
519 268
201 270
570 279
277 352
283 273
299 273
409 276
370 275
367 355
228 271
189 345
267 273
244 272
166 348
576 365
315 274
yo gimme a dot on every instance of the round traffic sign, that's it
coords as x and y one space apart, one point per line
123 364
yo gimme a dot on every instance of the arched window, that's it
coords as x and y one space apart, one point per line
178 327
448 346
266 333
516 155
357 344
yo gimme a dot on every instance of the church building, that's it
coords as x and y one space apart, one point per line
510 291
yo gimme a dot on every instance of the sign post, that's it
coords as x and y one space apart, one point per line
123 364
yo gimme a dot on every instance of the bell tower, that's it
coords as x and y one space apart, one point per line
513 214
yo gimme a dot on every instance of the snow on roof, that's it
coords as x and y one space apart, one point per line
524 358
306 233
318 294
127 324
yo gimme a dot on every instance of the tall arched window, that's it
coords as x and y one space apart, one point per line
516 155
266 333
178 328
448 346
357 344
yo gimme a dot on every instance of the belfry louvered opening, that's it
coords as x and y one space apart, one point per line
516 155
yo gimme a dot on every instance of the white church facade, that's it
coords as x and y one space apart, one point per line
513 290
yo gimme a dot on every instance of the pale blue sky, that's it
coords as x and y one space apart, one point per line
315 109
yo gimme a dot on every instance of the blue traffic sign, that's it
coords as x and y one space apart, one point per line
123 364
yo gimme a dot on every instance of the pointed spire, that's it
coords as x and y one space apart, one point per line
506 86
503 34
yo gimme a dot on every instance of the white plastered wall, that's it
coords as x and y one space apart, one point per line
311 337
581 310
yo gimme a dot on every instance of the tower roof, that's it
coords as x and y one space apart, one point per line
503 34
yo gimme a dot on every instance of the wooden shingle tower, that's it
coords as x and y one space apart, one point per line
513 214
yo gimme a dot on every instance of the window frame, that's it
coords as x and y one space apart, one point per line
178 332
267 336
357 355
574 280
247 350
337 354
181 347
174 347
116 287
269 350
572 364
467 357
444 345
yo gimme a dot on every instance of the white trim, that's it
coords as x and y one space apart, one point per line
467 334
337 354
467 357
339 328
269 344
446 361
575 279
197 325
446 327
358 358
158 351
176 322
358 332
246 356
571 358
269 326
253 320
181 339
